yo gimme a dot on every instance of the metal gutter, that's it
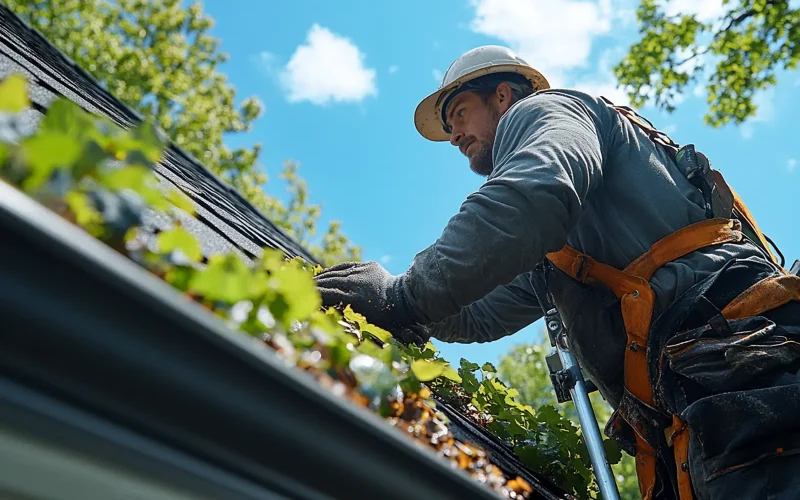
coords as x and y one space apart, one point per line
89 331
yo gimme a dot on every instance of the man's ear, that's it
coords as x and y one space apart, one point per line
504 96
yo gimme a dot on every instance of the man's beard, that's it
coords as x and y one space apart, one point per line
481 163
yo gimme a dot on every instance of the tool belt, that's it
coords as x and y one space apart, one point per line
729 220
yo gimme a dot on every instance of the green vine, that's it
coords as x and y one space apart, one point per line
100 177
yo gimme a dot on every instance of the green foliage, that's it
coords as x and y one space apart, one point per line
13 94
525 369
542 438
275 299
160 59
748 45
180 239
428 369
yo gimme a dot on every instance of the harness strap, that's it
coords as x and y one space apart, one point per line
716 181
637 298
744 213
678 437
765 295
685 241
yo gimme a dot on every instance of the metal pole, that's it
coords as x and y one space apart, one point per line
588 421
567 375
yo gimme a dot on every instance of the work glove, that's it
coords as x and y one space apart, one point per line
373 292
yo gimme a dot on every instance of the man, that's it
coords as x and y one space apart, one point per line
672 299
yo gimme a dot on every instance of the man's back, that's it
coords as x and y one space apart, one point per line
635 198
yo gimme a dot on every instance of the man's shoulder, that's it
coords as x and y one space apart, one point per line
556 104
565 106
559 97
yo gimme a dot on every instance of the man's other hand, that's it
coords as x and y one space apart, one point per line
370 290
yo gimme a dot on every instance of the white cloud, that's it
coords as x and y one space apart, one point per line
264 61
704 10
627 17
791 165
385 259
393 69
603 83
551 36
328 67
438 75
624 13
765 112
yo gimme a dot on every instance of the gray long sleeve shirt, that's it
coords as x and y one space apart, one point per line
567 169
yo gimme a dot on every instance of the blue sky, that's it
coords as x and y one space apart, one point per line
340 81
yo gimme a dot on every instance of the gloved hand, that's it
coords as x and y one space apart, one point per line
414 334
372 291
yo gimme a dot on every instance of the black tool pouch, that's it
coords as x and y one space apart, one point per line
696 167
735 382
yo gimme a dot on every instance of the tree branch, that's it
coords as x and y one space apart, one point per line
687 59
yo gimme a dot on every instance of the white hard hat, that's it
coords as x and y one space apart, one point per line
476 63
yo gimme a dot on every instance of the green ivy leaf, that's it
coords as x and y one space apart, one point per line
468 366
299 291
90 160
415 352
148 141
379 333
383 354
613 451
226 279
180 276
85 214
531 457
516 430
180 239
180 201
499 429
14 94
352 316
450 374
426 370
133 177
65 117
4 154
364 325
488 367
549 416
138 179
468 381
45 152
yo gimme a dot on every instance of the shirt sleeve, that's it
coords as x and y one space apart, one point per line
547 160
504 311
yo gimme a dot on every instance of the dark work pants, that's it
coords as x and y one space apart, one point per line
736 384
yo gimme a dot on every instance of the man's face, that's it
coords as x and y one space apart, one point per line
474 124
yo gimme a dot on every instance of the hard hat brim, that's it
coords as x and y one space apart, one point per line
428 115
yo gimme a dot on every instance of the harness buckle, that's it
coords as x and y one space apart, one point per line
584 265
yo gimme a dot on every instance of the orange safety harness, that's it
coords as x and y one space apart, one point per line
631 286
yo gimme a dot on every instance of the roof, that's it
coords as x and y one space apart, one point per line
192 417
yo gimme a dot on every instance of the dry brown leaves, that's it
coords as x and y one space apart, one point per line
418 420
